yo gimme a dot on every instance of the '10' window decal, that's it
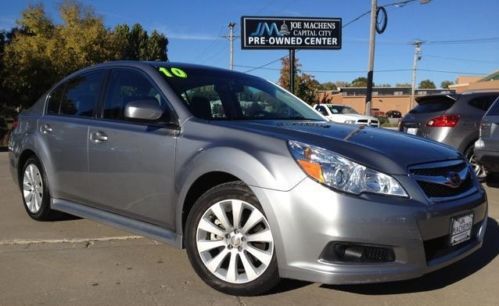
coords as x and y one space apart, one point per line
173 72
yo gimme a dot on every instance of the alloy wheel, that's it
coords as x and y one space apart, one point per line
477 168
234 241
33 188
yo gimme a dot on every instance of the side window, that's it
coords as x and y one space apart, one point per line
54 100
204 102
483 103
322 110
125 86
494 111
81 94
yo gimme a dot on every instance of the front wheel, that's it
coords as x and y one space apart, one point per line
229 241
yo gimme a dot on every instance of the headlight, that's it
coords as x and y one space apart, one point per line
349 121
338 172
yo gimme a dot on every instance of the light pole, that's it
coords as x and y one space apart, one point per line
231 45
372 43
378 25
417 56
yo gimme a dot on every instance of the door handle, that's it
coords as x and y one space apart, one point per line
46 129
98 137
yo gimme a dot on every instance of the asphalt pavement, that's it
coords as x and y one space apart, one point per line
81 262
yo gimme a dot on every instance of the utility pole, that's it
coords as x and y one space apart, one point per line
292 69
231 42
372 42
417 56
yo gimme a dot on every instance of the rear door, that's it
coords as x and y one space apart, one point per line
131 163
427 107
490 128
64 129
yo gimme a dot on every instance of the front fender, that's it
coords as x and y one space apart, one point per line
261 169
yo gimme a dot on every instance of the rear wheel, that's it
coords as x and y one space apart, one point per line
229 241
477 168
36 197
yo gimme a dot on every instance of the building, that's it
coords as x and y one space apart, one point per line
384 98
466 83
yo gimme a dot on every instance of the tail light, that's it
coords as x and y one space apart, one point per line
444 121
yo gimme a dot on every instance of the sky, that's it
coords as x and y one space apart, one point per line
461 36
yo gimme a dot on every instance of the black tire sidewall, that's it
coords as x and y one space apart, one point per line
239 191
45 212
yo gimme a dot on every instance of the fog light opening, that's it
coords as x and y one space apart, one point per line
349 252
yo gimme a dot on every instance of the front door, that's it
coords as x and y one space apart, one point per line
131 164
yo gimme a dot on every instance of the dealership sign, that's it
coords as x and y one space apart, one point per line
290 33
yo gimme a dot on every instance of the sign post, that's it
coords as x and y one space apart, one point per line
290 33
292 70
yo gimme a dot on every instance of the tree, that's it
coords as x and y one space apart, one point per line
41 52
29 68
341 84
327 86
427 84
306 85
360 82
445 84
403 85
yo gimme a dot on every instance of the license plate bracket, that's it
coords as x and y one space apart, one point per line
460 228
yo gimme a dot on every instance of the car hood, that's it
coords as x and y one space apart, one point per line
380 149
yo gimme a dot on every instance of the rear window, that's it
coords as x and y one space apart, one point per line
433 104
76 97
483 103
494 110
81 94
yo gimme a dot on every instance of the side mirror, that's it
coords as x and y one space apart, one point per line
144 109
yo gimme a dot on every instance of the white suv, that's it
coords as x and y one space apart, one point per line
345 114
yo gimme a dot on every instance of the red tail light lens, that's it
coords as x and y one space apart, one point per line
444 121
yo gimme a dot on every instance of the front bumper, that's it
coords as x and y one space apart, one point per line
305 219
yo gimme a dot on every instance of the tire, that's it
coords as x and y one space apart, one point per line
493 180
241 258
479 170
35 192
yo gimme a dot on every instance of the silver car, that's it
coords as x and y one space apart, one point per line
452 119
487 147
253 182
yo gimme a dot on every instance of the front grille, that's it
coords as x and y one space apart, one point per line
368 122
439 247
435 182
437 190
443 171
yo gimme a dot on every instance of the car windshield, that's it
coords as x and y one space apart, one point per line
339 109
214 94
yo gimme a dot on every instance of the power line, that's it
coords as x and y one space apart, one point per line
452 72
262 66
461 59
363 71
463 41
